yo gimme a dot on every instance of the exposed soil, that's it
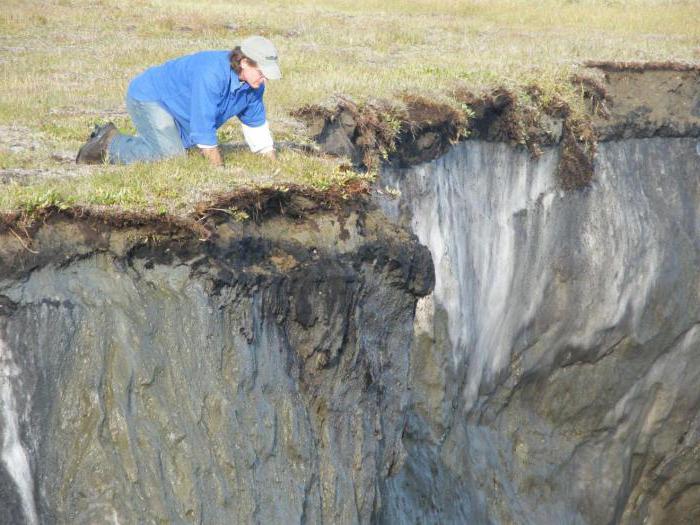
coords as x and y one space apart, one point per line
662 100
429 130
500 116
622 67
575 169
18 139
293 226
624 100
363 132
258 204
293 201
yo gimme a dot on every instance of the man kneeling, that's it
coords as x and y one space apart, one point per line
180 104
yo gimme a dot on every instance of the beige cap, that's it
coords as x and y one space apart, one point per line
263 51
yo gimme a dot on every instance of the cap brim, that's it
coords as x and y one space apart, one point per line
271 71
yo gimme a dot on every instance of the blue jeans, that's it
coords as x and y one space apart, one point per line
158 136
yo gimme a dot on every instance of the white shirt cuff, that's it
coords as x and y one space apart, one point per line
259 139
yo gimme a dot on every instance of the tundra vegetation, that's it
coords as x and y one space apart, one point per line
65 65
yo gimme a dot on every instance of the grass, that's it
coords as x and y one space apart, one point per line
65 64
172 186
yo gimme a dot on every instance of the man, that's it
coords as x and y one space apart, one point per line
180 104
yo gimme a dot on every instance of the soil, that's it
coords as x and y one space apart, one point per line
258 205
624 100
662 100
292 201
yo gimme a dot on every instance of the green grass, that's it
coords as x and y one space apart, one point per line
173 186
65 64
10 160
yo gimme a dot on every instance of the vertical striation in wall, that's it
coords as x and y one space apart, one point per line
555 364
261 377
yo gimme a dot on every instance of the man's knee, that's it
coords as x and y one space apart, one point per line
168 148
165 142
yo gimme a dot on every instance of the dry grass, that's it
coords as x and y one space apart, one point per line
65 64
172 187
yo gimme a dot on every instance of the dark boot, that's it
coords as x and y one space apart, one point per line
94 151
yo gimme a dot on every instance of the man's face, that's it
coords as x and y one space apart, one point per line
251 74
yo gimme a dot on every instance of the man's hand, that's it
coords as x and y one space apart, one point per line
214 155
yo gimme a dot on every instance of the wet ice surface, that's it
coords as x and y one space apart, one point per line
564 315
14 456
470 208
502 234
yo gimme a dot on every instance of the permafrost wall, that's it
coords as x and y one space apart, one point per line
556 365
258 378
283 373
14 454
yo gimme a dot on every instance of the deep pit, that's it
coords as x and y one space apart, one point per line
476 342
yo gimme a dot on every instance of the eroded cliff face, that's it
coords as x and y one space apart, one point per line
261 376
300 370
557 363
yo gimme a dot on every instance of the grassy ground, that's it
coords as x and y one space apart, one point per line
65 64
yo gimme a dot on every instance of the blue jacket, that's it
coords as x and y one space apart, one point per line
201 92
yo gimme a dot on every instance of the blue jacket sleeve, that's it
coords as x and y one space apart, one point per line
206 95
254 113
